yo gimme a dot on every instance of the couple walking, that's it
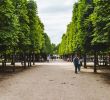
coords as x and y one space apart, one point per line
77 64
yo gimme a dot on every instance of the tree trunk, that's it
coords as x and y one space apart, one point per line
33 58
28 59
3 64
109 58
95 61
85 61
13 62
103 60
24 60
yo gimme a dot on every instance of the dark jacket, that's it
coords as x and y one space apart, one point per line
76 61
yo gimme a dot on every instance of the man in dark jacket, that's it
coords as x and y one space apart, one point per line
76 63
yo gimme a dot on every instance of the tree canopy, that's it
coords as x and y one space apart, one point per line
21 28
89 27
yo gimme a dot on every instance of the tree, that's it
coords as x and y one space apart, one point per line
47 49
40 34
8 25
36 27
79 31
24 30
101 22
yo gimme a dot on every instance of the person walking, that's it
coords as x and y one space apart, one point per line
48 58
76 62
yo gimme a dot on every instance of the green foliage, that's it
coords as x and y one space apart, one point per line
54 48
40 33
36 27
101 21
21 12
21 28
47 48
8 25
90 26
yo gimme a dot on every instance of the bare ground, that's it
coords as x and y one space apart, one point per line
55 81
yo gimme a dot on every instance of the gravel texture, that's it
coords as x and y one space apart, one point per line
55 81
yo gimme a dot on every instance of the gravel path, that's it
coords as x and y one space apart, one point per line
54 81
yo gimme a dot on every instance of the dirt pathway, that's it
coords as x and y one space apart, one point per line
55 81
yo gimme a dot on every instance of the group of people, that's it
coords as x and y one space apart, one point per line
77 63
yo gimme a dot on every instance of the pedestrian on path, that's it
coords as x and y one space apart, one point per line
76 62
48 58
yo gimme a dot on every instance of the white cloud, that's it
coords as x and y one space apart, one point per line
55 14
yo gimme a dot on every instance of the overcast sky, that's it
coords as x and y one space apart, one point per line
55 15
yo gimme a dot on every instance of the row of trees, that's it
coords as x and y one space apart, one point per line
21 30
89 30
